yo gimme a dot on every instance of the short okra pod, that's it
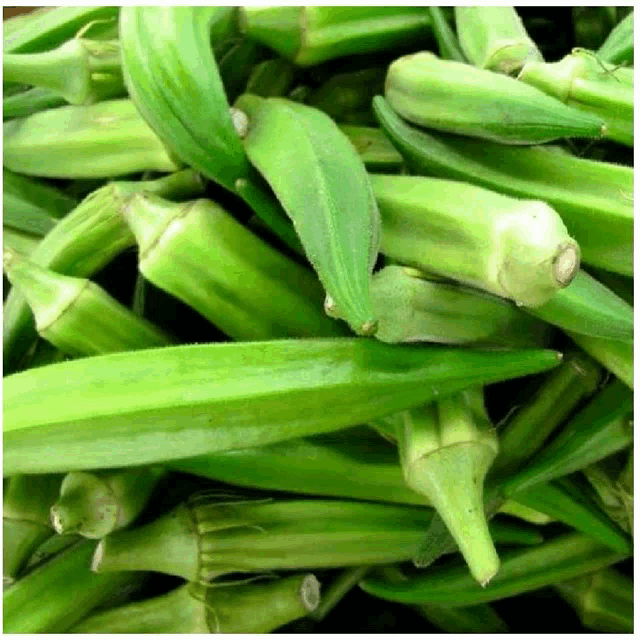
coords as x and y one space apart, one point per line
618 47
516 249
438 93
250 606
561 558
94 504
227 395
330 179
446 449
494 38
76 315
199 253
594 199
25 520
310 35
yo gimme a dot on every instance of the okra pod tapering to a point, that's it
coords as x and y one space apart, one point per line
76 315
446 449
438 94
618 47
561 558
593 198
93 504
329 198
494 38
516 249
25 519
155 405
199 253
40 602
583 81
250 606
310 35
103 140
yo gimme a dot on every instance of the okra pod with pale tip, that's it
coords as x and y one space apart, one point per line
516 249
76 315
250 606
446 449
199 253
459 98
93 504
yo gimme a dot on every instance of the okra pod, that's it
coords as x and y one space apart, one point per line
199 253
495 38
250 606
512 248
583 81
103 140
435 93
76 315
271 78
155 405
448 45
374 148
30 101
330 179
561 558
20 241
94 504
346 580
446 449
593 198
618 47
310 35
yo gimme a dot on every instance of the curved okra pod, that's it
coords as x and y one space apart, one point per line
199 253
582 80
76 315
494 38
618 47
594 199
250 606
310 35
94 504
174 402
435 93
556 560
515 249
330 179
446 449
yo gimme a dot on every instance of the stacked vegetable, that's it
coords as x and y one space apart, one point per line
380 331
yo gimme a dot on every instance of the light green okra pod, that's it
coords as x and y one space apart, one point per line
460 98
618 47
516 249
329 180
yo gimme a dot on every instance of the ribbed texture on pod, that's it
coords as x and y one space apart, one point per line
459 98
326 193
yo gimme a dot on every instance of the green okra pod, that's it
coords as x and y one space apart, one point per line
516 249
448 45
86 240
103 140
25 520
561 558
250 606
494 38
30 101
271 78
40 602
310 35
446 449
20 241
235 66
600 429
199 253
93 504
330 179
346 580
618 47
435 93
603 600
155 405
593 198
375 150
523 512
76 315
583 81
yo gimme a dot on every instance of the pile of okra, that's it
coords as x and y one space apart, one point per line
318 318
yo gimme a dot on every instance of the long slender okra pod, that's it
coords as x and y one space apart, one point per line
438 94
243 607
161 404
448 45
